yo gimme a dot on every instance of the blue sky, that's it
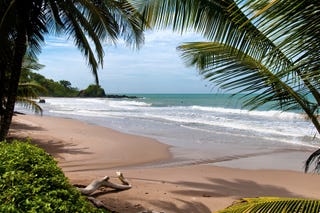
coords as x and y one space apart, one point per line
155 68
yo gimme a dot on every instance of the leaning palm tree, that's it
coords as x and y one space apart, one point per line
24 24
269 49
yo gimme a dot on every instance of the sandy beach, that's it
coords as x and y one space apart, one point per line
86 152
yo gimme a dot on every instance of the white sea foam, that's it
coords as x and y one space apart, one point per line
270 113
275 125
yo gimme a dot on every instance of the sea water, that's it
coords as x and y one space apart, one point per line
199 127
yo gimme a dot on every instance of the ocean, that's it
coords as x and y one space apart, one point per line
198 127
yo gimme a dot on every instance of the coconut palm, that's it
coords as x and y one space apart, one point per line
266 48
24 24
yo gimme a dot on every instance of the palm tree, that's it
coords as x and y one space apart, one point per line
23 25
266 48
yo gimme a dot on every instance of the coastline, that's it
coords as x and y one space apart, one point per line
86 152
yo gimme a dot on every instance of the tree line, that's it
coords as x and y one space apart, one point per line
52 88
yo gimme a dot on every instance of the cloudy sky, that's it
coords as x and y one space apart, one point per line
155 68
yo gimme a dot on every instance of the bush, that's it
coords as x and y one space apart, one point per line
31 181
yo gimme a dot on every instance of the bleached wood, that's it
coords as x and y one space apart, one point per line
104 182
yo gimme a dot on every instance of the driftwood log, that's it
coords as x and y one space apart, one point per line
104 182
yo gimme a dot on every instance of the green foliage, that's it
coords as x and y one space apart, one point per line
62 88
31 181
93 91
273 204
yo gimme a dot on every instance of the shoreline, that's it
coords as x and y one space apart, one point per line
86 152
67 140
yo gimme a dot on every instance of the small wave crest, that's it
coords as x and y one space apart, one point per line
270 113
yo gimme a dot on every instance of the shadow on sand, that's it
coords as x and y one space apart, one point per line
237 188
55 147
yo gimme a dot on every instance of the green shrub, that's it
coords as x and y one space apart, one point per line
31 181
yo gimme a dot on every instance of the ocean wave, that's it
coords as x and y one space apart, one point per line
275 124
269 113
128 104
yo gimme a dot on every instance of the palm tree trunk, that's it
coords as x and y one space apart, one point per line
15 71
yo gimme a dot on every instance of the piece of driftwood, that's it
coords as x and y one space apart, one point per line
104 182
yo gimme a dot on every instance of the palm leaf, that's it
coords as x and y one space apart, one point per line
29 104
27 92
313 158
218 21
273 204
224 22
293 27
30 90
225 67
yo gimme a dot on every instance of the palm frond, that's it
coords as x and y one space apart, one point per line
314 158
31 63
30 90
29 104
128 19
219 21
293 27
74 27
226 67
273 204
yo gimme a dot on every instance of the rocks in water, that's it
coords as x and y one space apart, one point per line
42 101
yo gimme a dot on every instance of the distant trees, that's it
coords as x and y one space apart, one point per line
65 84
53 88
92 91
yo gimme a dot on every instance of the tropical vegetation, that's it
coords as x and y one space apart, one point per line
31 181
62 88
92 90
24 25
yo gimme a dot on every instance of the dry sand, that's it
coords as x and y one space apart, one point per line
86 152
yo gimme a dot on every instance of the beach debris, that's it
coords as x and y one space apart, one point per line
104 182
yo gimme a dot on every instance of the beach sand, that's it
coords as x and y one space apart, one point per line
86 152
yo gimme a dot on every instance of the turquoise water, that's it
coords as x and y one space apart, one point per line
213 100
210 100
199 127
